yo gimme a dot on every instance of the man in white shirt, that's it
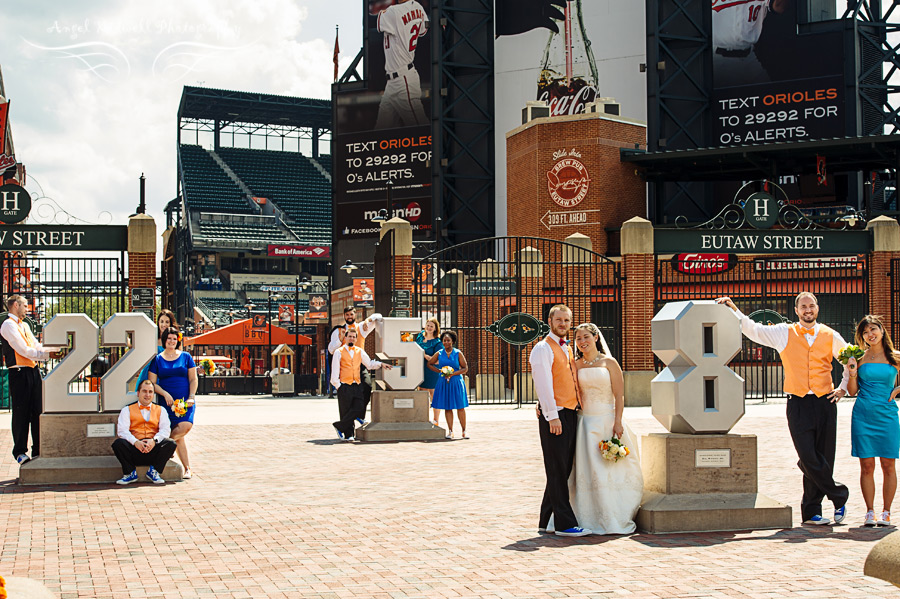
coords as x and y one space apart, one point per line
807 349
22 352
346 376
337 339
553 371
143 430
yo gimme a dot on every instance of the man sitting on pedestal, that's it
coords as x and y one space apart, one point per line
143 431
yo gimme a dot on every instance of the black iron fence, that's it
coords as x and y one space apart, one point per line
771 285
95 286
471 286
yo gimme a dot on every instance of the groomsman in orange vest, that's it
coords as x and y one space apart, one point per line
807 349
143 430
22 352
346 378
553 371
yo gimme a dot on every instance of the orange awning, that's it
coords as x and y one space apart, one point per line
243 333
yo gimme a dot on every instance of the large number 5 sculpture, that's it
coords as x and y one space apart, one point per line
85 347
697 392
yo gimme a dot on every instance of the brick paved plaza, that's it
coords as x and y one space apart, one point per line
278 508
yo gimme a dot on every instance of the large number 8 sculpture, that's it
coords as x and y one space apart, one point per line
697 392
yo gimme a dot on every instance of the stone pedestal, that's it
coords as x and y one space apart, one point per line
883 560
702 483
399 416
77 448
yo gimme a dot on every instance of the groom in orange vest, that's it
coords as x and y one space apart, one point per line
807 349
553 371
346 378
143 429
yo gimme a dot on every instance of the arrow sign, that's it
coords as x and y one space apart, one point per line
570 218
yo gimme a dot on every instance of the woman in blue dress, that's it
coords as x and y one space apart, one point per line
450 391
875 428
430 342
174 376
165 320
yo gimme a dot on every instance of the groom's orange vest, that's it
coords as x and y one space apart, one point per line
808 367
563 377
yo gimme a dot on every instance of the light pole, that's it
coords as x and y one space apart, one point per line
272 296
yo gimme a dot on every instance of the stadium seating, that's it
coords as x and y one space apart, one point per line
292 182
263 232
206 186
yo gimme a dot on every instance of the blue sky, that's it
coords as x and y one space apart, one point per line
94 85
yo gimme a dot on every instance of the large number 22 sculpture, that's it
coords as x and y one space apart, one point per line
85 347
697 392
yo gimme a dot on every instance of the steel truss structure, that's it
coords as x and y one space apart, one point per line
679 80
463 174
222 113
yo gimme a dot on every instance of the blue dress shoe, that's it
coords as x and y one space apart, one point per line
339 433
575 531
128 478
839 514
818 520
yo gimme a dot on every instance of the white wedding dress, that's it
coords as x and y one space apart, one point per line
605 495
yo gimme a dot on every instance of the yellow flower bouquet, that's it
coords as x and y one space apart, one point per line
179 408
207 366
850 351
447 371
613 450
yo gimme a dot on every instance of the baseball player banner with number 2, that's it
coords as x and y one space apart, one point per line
772 84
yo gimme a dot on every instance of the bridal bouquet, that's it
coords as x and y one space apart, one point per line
851 351
613 450
179 408
447 371
207 366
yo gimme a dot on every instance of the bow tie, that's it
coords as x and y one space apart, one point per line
809 332
563 342
144 407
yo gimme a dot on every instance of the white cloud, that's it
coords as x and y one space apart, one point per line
86 139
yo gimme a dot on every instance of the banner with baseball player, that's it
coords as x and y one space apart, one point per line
383 132
771 82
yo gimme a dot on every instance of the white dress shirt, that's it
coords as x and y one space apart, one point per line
10 331
541 360
363 329
336 364
776 336
123 427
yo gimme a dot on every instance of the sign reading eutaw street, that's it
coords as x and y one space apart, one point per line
676 241
64 237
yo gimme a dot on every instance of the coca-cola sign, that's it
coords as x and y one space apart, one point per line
703 264
567 180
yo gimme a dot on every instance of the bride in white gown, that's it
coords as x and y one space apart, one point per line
605 495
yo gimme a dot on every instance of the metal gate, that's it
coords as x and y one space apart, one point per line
94 286
771 284
469 287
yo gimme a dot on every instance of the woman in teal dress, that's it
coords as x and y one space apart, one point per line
430 342
450 391
875 428
165 320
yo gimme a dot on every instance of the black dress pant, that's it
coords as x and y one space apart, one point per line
351 405
559 457
26 401
130 456
812 421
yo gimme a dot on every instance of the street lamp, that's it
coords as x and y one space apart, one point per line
272 296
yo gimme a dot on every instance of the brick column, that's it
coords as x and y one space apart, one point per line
530 264
141 255
577 269
638 294
885 247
